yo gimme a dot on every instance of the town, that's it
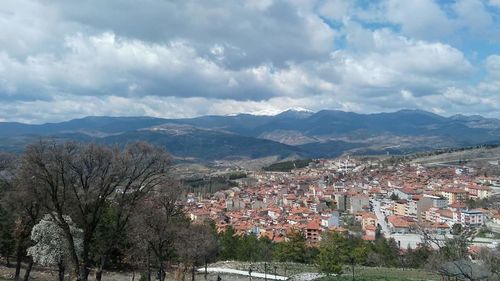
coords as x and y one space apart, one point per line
349 195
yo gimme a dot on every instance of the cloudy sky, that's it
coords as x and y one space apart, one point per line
60 60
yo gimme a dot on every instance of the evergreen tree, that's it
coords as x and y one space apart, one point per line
333 253
293 250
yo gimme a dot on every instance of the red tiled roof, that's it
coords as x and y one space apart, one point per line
313 225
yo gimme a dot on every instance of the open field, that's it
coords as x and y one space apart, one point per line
469 155
386 274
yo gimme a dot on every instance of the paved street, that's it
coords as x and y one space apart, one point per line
380 217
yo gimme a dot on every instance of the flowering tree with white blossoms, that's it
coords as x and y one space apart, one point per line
50 246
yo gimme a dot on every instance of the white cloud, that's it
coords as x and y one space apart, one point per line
422 19
477 21
335 9
245 56
494 3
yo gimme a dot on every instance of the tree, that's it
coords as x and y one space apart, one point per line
293 250
456 229
25 211
333 253
155 227
417 258
51 247
196 245
228 244
7 220
452 255
80 179
7 241
386 252
490 258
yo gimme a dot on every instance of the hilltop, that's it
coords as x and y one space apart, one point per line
288 135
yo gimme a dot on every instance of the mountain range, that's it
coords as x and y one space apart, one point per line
293 133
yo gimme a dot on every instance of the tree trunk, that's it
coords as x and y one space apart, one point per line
19 260
28 270
84 272
162 272
149 266
62 270
192 273
84 268
98 273
206 269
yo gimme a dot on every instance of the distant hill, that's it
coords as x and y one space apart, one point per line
192 142
295 133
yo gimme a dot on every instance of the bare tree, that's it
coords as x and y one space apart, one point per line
490 258
19 200
26 211
154 228
80 180
7 220
7 162
196 245
451 259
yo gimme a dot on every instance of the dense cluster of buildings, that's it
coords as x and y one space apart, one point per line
349 195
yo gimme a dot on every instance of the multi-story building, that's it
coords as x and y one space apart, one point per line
454 195
313 232
479 191
471 218
438 201
359 203
400 207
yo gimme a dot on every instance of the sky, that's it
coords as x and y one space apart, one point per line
64 59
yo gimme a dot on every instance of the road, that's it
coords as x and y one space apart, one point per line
380 218
269 276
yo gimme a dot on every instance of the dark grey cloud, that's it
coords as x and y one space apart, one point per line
250 33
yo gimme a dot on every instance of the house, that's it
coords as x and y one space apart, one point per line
436 228
398 224
368 219
313 231
370 233
447 217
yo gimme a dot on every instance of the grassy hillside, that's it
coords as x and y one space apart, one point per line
287 166
383 273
